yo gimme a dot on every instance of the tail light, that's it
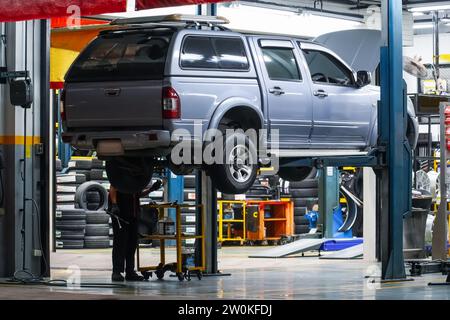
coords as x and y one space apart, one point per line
62 105
171 104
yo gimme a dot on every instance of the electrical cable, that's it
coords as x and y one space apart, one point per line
39 233
2 186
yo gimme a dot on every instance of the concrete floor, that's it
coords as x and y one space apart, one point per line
288 278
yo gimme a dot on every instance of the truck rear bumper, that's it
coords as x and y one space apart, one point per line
131 140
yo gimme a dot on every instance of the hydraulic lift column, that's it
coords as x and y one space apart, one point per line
207 195
395 177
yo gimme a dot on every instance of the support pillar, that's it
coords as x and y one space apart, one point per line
27 46
209 200
392 116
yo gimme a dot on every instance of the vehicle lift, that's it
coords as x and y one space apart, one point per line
391 161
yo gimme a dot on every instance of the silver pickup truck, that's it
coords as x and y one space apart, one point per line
137 92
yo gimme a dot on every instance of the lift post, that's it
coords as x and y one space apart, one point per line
328 198
396 184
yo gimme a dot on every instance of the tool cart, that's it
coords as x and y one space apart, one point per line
185 265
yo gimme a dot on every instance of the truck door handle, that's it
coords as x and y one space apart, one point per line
276 91
320 93
113 92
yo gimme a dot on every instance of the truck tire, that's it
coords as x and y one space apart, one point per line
81 164
97 217
301 220
300 211
81 196
97 230
97 174
97 164
305 193
71 225
129 175
72 244
307 183
96 242
71 214
299 229
305 202
189 182
295 174
233 176
71 235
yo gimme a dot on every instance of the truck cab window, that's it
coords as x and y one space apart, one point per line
325 68
281 64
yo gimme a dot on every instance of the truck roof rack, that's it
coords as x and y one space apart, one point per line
185 19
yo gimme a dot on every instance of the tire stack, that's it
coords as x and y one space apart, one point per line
259 191
304 195
80 167
188 216
97 230
98 173
66 187
70 228
80 203
70 221
93 198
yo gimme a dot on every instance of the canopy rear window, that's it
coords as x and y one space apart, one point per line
115 57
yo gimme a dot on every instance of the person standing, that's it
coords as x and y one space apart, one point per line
124 209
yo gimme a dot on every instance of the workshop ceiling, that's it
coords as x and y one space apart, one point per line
346 8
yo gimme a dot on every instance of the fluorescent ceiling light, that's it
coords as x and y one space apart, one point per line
430 8
418 14
423 26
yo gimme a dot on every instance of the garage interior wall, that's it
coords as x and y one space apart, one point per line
22 38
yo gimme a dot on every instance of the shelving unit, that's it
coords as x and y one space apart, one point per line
276 227
238 234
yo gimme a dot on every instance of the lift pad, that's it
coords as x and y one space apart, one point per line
352 252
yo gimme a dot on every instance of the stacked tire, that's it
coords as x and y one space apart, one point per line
66 188
80 219
70 228
92 169
98 230
259 191
305 195
188 215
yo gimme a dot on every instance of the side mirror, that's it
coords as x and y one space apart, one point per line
363 78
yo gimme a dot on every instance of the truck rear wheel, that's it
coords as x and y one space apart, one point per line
129 175
238 171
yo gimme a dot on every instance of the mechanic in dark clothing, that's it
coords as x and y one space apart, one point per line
126 207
